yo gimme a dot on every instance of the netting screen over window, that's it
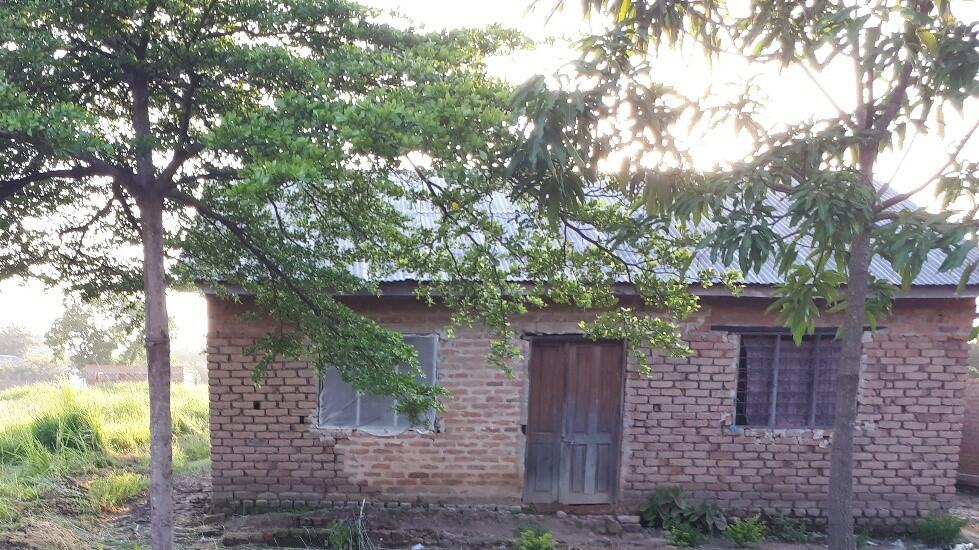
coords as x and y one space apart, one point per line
341 407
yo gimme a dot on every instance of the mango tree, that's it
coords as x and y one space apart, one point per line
607 121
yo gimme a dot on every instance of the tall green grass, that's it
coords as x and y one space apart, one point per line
49 434
110 492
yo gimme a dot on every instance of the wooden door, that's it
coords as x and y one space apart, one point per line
574 421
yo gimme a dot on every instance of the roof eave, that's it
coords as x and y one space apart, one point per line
407 288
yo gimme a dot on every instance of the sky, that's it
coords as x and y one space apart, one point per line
792 96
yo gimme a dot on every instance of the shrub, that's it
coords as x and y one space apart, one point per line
746 532
668 506
114 490
534 539
860 539
786 529
663 508
340 536
708 518
939 529
684 535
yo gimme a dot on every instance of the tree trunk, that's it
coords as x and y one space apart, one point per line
158 365
847 389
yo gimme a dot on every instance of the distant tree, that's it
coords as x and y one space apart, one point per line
910 61
30 360
15 340
107 330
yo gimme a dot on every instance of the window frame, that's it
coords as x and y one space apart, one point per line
395 427
778 333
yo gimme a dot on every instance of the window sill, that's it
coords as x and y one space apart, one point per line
815 433
346 431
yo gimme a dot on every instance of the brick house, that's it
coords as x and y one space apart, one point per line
741 422
969 452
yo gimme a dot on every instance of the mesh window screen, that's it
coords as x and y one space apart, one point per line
794 396
342 407
800 379
757 362
825 380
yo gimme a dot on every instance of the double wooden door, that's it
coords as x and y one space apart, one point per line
574 421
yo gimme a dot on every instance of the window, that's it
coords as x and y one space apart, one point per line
343 407
781 385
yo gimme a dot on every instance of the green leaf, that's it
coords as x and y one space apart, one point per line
928 39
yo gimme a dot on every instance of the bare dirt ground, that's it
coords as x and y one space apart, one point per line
66 526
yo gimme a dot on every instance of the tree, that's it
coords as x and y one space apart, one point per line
26 360
15 340
122 120
910 61
267 145
108 330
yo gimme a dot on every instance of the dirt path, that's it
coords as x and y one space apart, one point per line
191 508
62 523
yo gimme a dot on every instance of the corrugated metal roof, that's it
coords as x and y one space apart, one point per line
508 215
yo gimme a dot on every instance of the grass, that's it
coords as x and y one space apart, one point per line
109 493
54 438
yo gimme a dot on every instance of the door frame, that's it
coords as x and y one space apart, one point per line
577 338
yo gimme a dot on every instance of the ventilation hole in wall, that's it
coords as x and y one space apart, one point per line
302 419
656 407
256 405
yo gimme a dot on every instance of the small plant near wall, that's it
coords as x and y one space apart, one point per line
668 506
746 532
340 536
786 529
939 529
534 539
707 517
684 535
663 508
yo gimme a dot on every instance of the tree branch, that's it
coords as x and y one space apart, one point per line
931 179
179 158
183 151
861 111
894 100
846 118
187 107
120 197
225 175
246 240
83 228
144 40
9 188
105 168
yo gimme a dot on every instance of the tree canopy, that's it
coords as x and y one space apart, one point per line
15 340
105 331
267 145
909 62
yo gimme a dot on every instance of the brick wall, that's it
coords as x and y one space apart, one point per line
969 453
266 447
275 451
906 450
